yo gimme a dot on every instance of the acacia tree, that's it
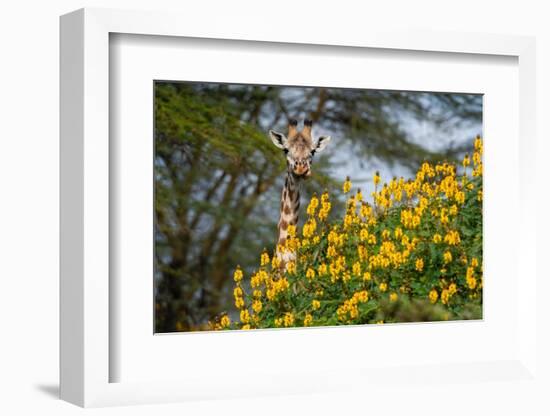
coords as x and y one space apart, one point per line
218 177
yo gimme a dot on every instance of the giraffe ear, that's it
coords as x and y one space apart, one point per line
278 139
321 144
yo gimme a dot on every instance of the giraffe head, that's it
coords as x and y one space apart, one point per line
299 147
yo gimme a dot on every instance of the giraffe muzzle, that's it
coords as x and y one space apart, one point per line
302 170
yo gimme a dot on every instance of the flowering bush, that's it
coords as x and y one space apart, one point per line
414 254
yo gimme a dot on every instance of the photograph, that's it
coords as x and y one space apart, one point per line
230 207
309 206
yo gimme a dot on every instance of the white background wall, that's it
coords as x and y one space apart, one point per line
29 192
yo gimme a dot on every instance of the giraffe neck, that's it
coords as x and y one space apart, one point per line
290 206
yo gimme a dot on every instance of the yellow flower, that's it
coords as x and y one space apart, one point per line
447 257
309 228
393 297
310 274
238 275
313 204
347 185
276 287
365 210
291 267
288 319
383 286
445 296
257 306
478 144
452 238
433 296
348 220
275 262
362 252
315 304
366 276
225 321
477 158
237 292
452 289
398 233
419 265
325 209
437 238
245 316
478 171
362 296
346 277
246 327
257 294
333 237
308 320
291 230
356 268
239 303
376 178
264 259
256 280
322 269
466 161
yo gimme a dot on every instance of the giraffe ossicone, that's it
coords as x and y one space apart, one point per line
299 148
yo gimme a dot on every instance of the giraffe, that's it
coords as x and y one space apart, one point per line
299 150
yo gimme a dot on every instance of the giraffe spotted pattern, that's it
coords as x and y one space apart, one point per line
299 149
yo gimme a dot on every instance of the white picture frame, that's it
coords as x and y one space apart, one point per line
85 352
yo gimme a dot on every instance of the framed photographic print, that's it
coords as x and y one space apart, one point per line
277 213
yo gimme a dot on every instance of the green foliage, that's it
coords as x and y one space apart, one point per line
416 255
